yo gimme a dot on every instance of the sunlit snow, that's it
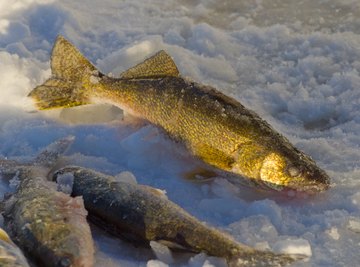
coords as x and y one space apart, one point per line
295 63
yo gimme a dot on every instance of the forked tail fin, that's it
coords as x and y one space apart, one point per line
70 81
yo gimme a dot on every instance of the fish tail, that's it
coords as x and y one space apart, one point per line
71 78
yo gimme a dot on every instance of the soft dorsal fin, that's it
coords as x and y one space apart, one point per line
158 66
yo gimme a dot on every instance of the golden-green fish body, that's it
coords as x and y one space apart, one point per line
214 127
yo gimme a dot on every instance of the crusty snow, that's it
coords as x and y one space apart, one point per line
296 63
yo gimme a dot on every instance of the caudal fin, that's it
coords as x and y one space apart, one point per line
71 78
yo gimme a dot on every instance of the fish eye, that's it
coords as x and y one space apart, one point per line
293 171
64 262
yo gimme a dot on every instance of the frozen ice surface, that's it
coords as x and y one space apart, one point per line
162 252
65 182
296 63
127 177
297 246
156 263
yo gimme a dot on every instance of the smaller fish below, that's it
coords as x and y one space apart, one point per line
142 214
10 254
50 226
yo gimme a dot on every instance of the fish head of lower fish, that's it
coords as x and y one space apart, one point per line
295 171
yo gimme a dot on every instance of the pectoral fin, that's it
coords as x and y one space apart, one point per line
214 156
200 175
158 66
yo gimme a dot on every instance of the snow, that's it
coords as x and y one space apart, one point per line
298 246
127 177
65 183
162 252
296 63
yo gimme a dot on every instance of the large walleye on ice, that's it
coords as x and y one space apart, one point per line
214 127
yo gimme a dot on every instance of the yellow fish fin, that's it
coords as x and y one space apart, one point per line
55 93
200 174
68 63
214 156
158 66
72 75
4 236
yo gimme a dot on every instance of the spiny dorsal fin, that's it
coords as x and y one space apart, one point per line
158 66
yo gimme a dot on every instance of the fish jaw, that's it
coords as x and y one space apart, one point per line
313 181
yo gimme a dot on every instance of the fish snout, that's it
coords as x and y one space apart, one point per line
320 180
312 182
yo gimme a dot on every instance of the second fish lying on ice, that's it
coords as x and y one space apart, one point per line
142 214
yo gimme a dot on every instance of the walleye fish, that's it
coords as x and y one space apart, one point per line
48 225
10 254
142 214
212 126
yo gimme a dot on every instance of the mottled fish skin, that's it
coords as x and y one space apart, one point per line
213 127
48 225
10 254
143 214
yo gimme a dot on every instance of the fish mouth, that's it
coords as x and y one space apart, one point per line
297 190
305 191
314 182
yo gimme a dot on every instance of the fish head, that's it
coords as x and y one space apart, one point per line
295 171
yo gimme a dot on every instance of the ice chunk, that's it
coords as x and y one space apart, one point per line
354 225
293 246
65 182
224 188
256 230
127 177
156 263
4 24
162 252
15 181
204 260
333 233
